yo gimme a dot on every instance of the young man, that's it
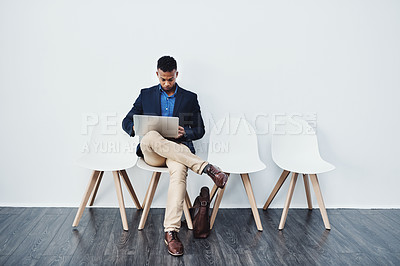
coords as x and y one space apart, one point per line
168 99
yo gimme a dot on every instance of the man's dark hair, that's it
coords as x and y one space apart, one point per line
166 63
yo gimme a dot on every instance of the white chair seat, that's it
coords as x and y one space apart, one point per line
237 167
106 162
306 165
143 165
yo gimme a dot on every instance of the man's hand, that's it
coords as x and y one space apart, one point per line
181 132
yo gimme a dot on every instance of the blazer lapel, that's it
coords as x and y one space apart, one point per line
178 101
157 101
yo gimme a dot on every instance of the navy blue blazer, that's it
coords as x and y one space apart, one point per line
186 108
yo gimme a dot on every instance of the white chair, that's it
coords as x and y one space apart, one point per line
234 148
148 198
295 149
113 153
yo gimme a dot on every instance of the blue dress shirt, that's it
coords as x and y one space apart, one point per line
167 102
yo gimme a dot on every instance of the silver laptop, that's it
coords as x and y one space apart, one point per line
165 125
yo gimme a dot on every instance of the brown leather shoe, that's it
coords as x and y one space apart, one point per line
216 175
174 245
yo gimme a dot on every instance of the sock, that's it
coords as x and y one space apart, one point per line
206 168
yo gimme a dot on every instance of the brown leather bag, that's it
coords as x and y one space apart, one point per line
200 214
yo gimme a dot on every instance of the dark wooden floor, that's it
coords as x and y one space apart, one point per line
44 236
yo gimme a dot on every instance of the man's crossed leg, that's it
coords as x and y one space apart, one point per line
159 151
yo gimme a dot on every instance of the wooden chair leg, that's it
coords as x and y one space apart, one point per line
278 185
130 188
252 200
218 200
288 199
187 214
307 188
213 191
147 192
188 202
318 194
96 188
120 200
86 196
149 198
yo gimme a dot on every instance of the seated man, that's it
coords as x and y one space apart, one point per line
168 99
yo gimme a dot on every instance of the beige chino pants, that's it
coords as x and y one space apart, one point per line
159 151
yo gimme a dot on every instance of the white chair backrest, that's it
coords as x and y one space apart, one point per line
106 142
295 147
233 146
109 150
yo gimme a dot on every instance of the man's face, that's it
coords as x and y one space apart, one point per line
167 79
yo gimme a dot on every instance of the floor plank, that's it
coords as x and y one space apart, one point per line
391 214
6 220
90 249
121 260
3 260
54 260
312 236
284 245
125 242
33 246
67 238
373 235
44 236
320 240
16 232
11 210
355 259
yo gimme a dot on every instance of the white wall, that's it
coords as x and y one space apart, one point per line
60 60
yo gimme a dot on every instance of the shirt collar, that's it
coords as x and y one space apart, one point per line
173 95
